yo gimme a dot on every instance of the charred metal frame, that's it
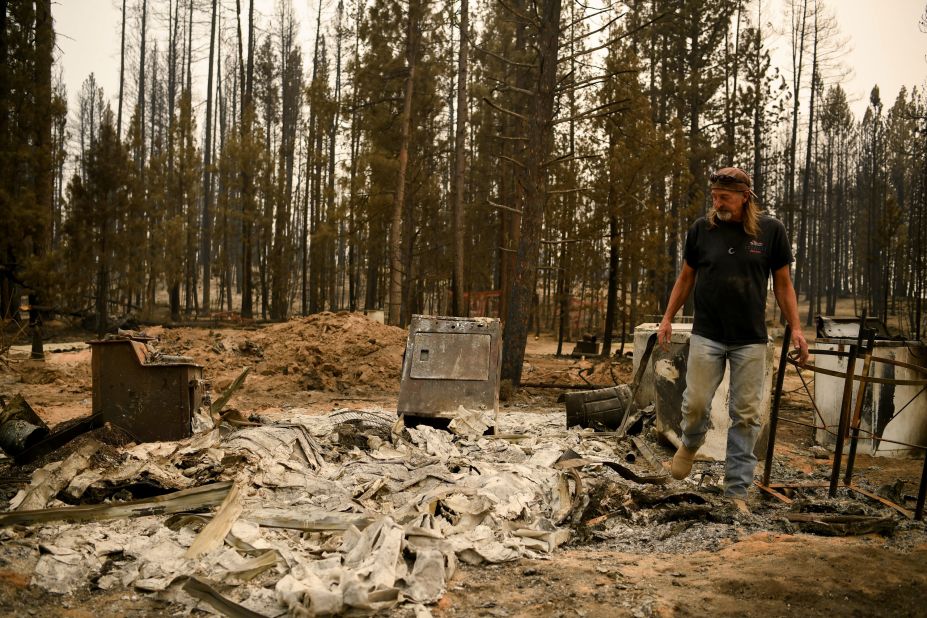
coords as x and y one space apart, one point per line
849 425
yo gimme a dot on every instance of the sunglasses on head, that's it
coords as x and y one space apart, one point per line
725 179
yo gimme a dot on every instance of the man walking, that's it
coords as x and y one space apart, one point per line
729 256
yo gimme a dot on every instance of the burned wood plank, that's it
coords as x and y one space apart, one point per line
648 455
199 589
223 399
772 492
842 525
213 533
184 500
309 522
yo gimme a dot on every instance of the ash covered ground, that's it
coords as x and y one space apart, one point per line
580 541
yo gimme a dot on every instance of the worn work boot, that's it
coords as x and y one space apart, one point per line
741 505
682 463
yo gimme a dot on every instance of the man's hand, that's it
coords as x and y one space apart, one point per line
799 343
664 334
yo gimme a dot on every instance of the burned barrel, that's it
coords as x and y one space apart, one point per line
20 426
600 409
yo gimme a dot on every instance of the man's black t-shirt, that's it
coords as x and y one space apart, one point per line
732 275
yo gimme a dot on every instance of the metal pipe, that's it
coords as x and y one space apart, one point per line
858 409
844 420
863 431
774 413
810 398
921 493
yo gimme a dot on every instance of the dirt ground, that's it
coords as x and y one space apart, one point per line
755 567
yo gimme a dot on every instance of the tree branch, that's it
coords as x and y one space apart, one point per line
511 160
615 39
585 17
577 190
592 80
504 87
502 206
592 112
503 110
570 157
519 15
588 34
497 56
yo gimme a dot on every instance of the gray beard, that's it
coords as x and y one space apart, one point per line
724 215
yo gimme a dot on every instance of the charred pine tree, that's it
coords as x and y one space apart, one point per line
460 165
207 220
537 123
42 160
395 230
247 166
122 68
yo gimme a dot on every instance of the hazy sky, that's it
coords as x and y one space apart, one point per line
884 43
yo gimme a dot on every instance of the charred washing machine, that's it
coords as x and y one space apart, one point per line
893 416
665 381
449 363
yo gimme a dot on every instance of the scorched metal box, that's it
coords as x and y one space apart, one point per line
152 401
450 362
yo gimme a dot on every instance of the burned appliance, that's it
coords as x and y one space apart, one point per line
449 363
893 410
664 383
153 398
587 346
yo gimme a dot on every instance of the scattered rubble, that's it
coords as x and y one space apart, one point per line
314 519
295 513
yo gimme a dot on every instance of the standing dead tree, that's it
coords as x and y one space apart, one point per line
536 78
395 246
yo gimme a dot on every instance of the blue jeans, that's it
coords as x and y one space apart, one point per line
704 371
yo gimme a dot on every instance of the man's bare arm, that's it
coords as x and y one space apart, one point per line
788 303
681 290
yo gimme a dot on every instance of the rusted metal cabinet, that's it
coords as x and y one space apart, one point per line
450 362
152 401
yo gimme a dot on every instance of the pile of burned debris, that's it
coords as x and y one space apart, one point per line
354 511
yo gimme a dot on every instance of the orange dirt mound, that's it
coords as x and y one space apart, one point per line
336 352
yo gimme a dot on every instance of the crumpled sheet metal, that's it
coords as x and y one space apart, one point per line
377 528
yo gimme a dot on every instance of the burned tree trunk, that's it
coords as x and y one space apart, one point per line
533 178
206 238
395 244
460 165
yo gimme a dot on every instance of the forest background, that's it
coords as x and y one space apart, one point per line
535 160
